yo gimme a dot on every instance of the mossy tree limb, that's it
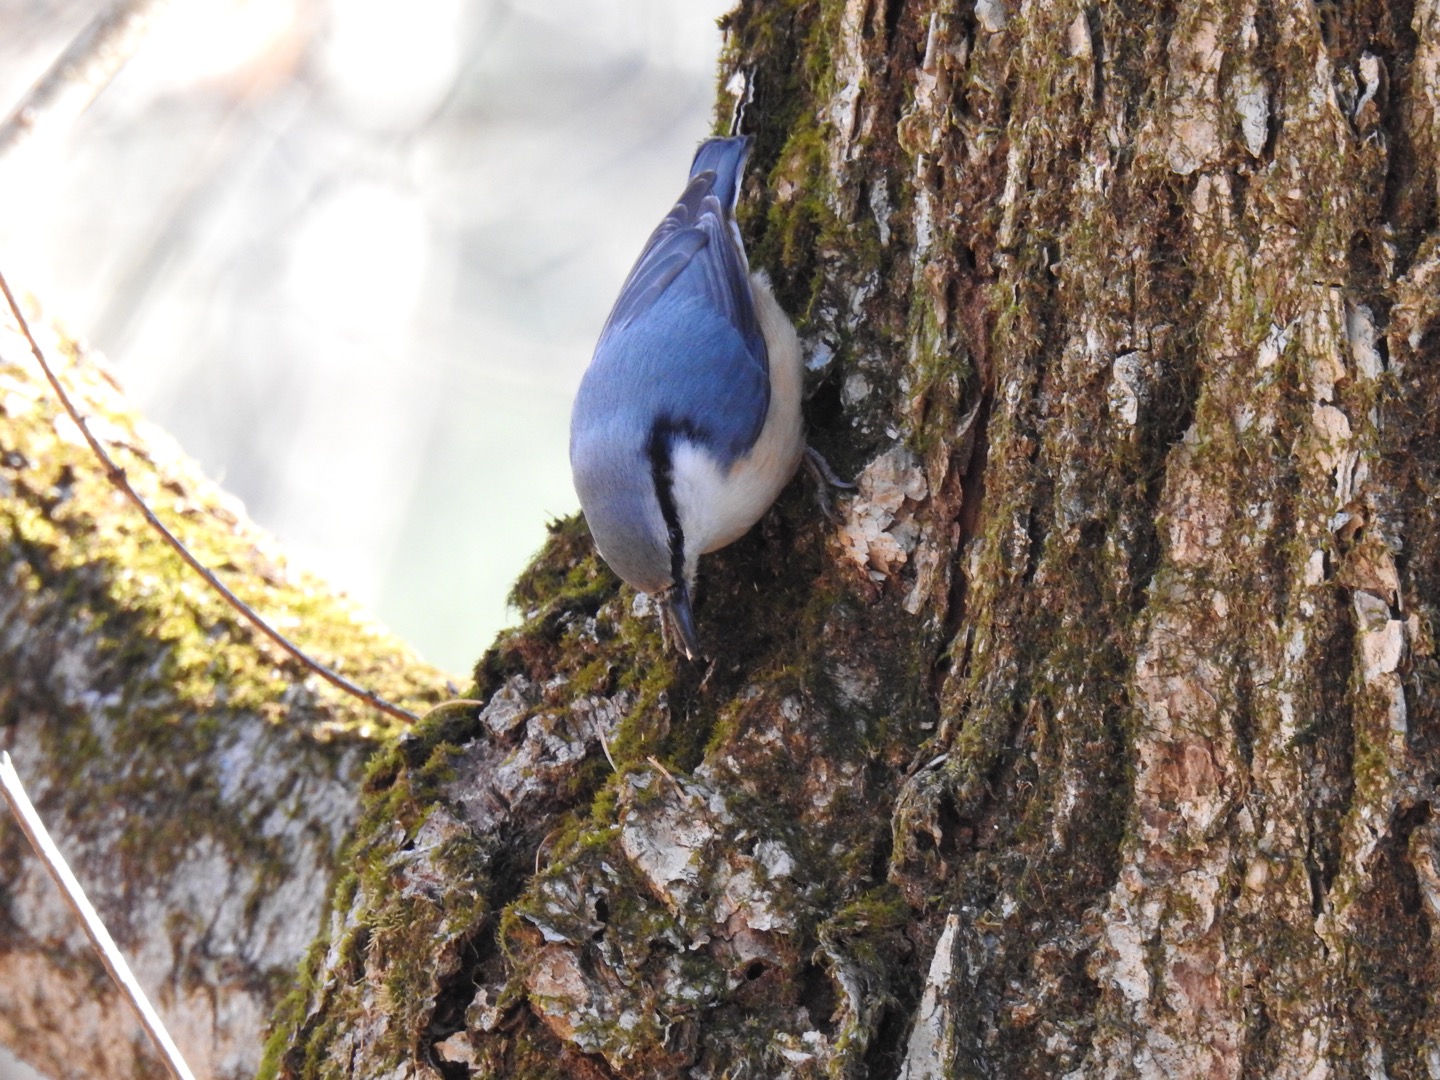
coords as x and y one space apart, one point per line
200 785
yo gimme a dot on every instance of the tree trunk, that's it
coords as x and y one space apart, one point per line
1098 738
198 783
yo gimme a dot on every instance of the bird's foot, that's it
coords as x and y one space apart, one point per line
825 478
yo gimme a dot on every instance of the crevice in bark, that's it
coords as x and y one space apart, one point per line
972 512
1394 956
1327 745
455 992
817 996
1407 201
1168 282
894 12
1261 1053
886 1051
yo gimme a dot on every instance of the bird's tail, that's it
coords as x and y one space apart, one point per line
726 159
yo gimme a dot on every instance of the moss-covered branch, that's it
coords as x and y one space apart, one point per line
201 785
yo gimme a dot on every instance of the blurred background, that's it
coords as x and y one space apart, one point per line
354 255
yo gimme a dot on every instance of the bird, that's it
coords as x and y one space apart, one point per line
687 422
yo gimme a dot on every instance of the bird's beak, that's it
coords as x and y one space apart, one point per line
676 604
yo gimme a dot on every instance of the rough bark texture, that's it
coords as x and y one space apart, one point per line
200 786
1099 738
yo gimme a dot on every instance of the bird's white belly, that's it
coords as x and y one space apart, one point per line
717 506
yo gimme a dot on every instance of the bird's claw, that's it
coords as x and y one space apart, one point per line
825 478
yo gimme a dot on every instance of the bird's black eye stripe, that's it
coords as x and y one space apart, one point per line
660 450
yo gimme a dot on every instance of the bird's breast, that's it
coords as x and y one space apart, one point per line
717 503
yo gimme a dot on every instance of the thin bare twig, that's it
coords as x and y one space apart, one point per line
35 832
666 773
86 67
540 847
116 476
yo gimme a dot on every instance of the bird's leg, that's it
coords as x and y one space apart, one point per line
825 478
820 469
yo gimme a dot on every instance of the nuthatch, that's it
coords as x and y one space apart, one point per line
687 423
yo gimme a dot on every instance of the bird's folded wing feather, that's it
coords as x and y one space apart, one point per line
696 254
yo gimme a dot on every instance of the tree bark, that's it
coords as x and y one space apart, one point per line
1099 738
198 783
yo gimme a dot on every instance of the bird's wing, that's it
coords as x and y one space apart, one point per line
683 346
694 256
